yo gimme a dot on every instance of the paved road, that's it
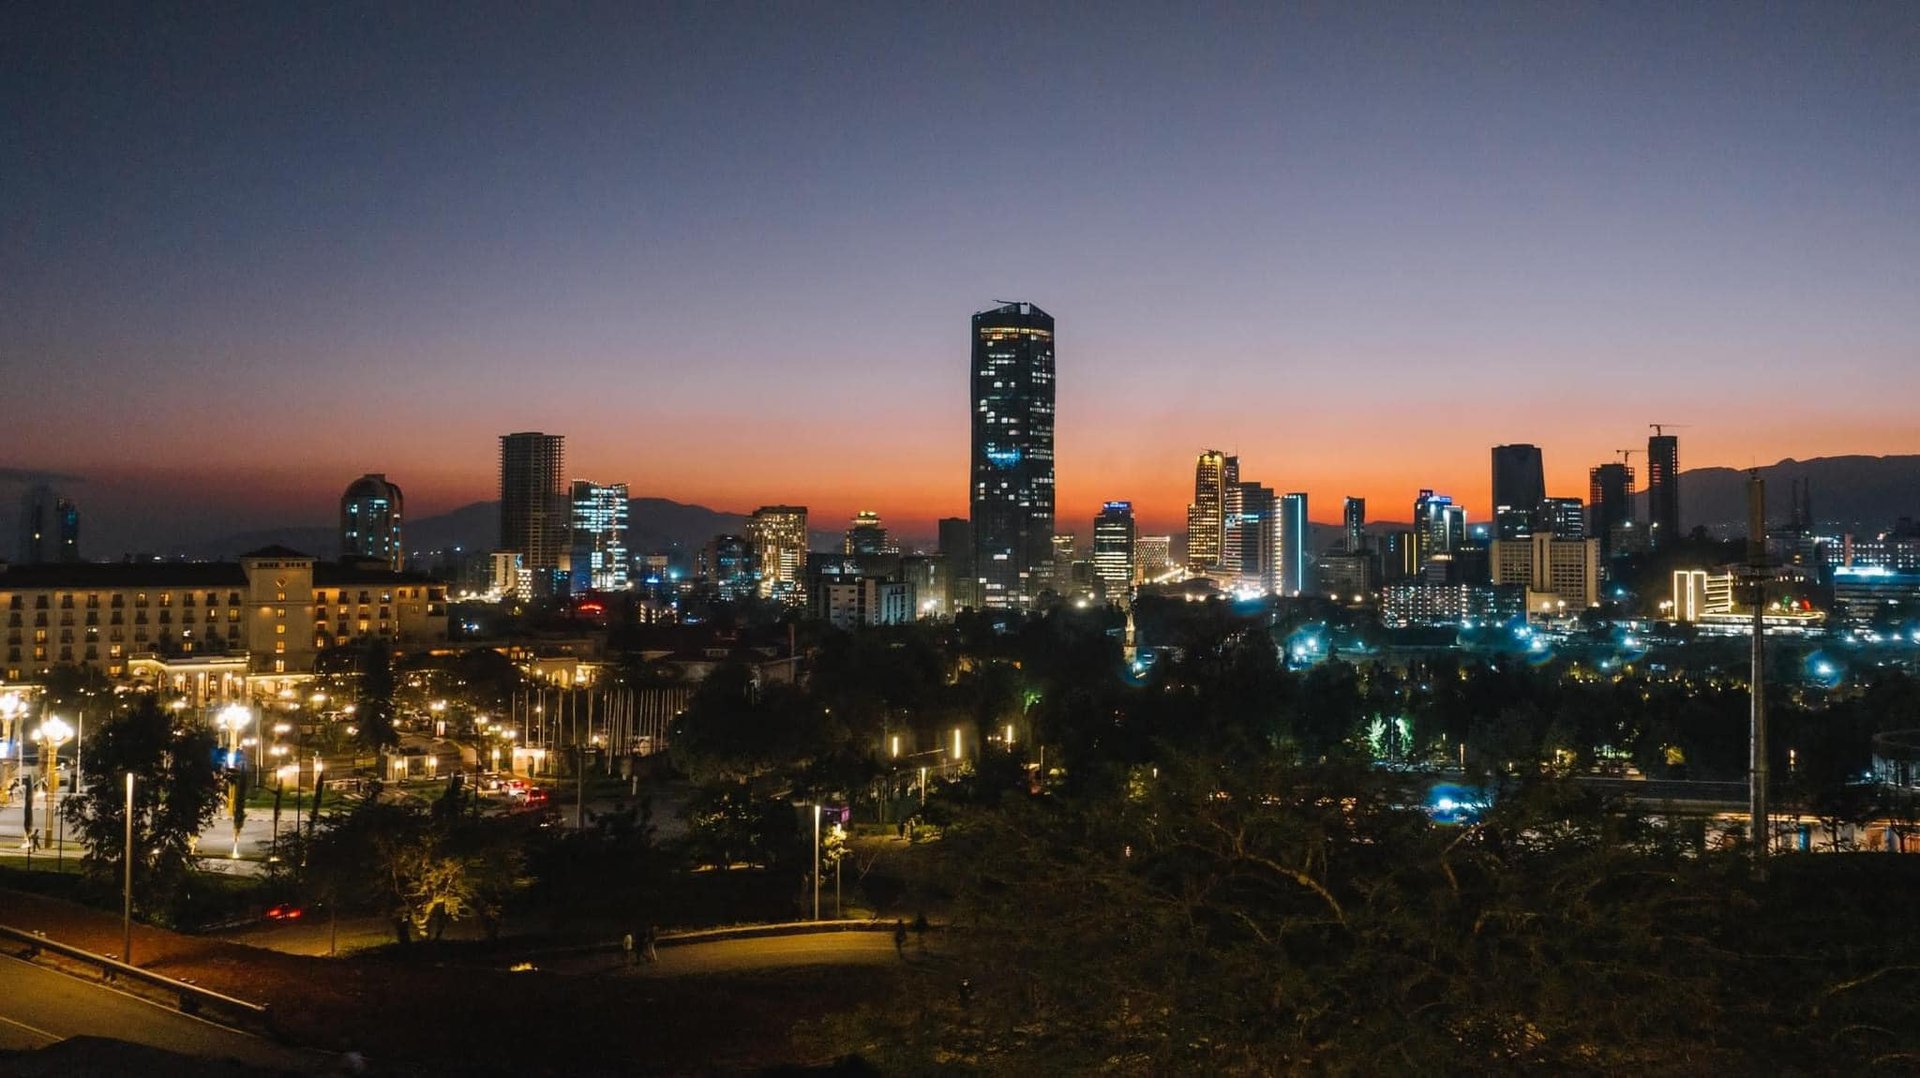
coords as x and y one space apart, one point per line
39 1007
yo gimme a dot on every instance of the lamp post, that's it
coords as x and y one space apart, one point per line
53 733
126 892
816 861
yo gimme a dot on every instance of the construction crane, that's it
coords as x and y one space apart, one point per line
1659 428
1626 455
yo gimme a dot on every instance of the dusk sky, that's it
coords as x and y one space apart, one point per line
250 251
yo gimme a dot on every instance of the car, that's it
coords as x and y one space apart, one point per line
537 796
285 911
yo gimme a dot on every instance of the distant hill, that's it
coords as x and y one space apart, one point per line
1852 493
654 524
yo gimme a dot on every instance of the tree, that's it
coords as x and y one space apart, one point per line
176 794
373 707
1236 917
398 858
727 824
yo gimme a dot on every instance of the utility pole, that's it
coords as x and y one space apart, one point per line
1759 832
816 861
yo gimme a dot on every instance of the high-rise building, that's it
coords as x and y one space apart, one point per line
1562 518
370 521
1059 576
1609 503
1152 557
1354 524
1438 527
598 560
1519 486
1292 576
867 537
1233 503
1206 516
1012 494
726 564
1663 488
1113 550
535 516
1251 561
1399 556
49 527
956 546
1561 576
778 535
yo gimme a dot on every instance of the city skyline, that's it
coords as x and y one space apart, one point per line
1440 232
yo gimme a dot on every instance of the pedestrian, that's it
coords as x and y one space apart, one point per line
900 937
626 949
903 830
920 927
653 944
966 993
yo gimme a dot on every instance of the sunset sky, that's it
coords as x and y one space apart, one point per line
248 252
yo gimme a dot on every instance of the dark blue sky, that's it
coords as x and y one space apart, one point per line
730 250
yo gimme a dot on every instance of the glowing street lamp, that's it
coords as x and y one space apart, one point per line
53 733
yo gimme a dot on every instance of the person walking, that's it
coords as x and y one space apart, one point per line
900 938
653 944
626 949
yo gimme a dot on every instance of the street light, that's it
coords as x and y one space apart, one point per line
126 894
231 720
53 733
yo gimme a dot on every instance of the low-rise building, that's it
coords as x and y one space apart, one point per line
277 608
1407 604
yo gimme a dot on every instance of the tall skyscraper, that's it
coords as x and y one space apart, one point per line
535 516
49 527
599 553
1292 577
1354 522
778 534
370 521
1251 558
1233 504
1012 493
1663 487
1519 486
1113 557
1207 515
867 537
1609 503
1438 527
